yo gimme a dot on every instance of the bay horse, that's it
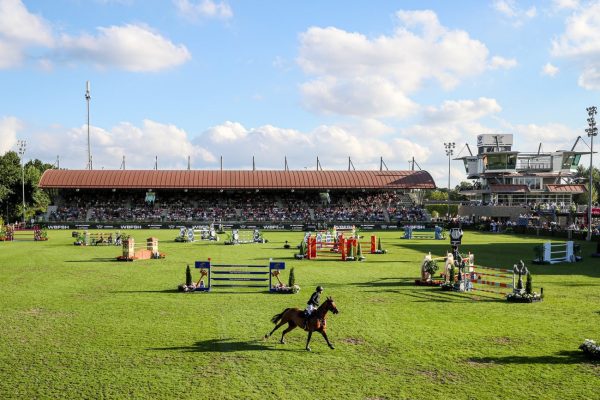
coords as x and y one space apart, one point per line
294 317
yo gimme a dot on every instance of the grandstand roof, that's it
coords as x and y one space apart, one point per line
230 179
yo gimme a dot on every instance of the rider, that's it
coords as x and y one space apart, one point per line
312 304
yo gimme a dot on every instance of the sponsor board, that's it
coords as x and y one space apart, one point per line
131 226
227 226
58 227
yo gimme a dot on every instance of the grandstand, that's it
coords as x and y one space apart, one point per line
235 198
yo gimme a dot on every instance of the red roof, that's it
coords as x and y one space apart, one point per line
509 188
229 179
567 188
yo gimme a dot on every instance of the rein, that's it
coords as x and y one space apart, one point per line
322 311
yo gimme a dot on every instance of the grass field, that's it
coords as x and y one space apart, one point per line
76 324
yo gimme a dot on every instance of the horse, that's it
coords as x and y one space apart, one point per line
294 317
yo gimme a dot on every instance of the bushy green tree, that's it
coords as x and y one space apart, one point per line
11 182
584 175
292 278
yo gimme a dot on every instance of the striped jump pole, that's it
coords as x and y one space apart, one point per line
238 275
480 275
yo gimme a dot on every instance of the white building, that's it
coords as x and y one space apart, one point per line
506 177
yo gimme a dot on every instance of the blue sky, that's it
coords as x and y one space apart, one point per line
327 79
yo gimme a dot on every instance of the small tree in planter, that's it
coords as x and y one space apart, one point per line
359 255
380 249
188 276
301 251
350 256
291 278
529 284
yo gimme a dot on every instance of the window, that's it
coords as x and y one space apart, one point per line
533 183
501 161
570 161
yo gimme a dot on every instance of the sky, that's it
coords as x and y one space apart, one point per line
295 80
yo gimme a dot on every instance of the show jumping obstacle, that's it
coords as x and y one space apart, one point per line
344 249
131 252
471 277
245 237
411 232
18 232
237 275
555 252
193 235
482 277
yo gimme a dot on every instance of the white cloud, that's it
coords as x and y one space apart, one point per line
553 136
333 143
375 77
549 70
580 42
502 63
510 10
461 111
203 9
170 143
370 96
9 127
590 78
565 4
131 47
19 31
229 132
135 48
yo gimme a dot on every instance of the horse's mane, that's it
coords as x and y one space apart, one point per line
328 300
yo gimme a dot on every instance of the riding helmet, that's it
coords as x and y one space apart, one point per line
319 288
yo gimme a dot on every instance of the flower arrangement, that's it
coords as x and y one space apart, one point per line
523 297
282 288
591 349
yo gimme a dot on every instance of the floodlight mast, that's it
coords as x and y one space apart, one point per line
88 97
449 152
591 131
21 146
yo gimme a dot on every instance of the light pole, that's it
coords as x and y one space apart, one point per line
87 99
591 131
449 152
21 146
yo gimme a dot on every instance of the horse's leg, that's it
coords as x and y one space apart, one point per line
290 327
279 325
327 339
308 340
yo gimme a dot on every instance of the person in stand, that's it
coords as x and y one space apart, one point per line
312 304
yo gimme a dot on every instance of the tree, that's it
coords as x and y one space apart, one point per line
464 185
583 175
437 195
11 196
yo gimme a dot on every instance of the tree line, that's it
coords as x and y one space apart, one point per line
11 188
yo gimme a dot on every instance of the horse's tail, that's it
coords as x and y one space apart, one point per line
277 317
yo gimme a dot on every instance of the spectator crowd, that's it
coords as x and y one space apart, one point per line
242 206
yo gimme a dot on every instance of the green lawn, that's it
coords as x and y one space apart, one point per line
75 324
